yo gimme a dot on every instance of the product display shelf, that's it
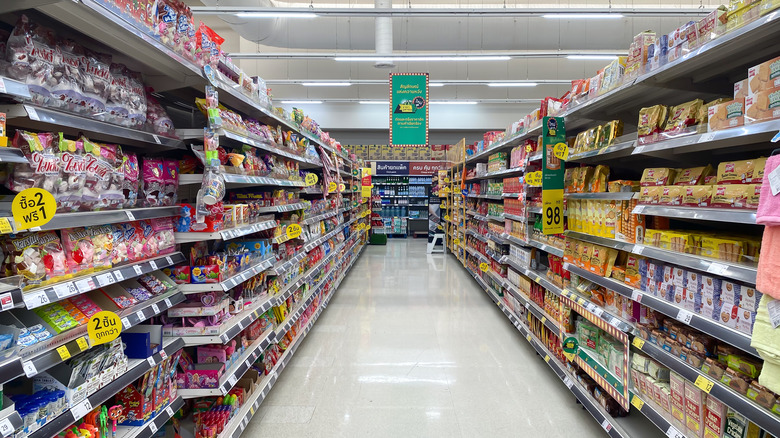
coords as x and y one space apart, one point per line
230 377
533 307
615 427
284 208
699 322
229 329
42 356
500 259
656 415
515 217
505 144
497 239
235 139
740 137
763 417
476 235
305 277
699 213
10 420
736 271
617 150
477 254
228 234
234 180
513 195
319 217
89 218
513 239
229 283
495 218
41 118
12 155
135 369
607 196
51 293
150 428
284 265
319 240
535 276
545 247
587 306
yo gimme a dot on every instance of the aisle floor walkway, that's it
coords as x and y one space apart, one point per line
410 346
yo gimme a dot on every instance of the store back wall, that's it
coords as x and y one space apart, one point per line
382 136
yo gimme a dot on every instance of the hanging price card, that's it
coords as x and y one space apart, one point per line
311 179
332 187
63 352
638 342
484 267
561 151
5 226
293 231
704 384
637 402
104 327
33 208
82 343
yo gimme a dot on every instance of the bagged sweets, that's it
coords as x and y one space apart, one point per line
131 180
67 92
97 82
117 110
73 174
103 244
153 184
133 241
79 249
26 260
53 256
157 119
44 169
170 177
149 244
113 197
98 174
163 233
136 99
166 14
120 246
30 52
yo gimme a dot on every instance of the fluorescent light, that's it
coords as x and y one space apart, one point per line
512 84
326 84
420 58
276 15
436 84
594 16
374 102
301 102
592 57
453 102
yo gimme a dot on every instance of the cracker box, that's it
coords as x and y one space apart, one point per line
764 76
726 115
741 89
714 417
694 410
763 105
730 292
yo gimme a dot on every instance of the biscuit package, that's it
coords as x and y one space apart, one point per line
763 105
726 115
764 76
651 121
693 176
659 176
682 116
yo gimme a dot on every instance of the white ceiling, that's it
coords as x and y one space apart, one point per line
332 34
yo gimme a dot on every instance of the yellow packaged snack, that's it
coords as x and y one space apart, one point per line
657 176
650 195
585 253
652 237
611 213
651 120
730 250
697 196
609 132
598 183
622 185
671 195
582 178
693 176
741 172
682 116
736 196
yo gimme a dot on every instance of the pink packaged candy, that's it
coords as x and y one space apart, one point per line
131 180
73 174
163 233
103 242
153 183
150 245
79 249
170 181
120 248
133 240
99 170
111 198
53 256
44 168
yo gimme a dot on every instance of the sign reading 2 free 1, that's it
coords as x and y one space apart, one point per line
408 109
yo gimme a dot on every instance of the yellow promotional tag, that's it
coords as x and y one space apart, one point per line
528 148
311 179
33 208
332 187
637 402
293 231
569 356
704 384
5 226
63 352
484 267
528 338
446 180
546 357
534 178
405 108
82 343
456 241
552 211
561 151
447 217
342 187
103 327
365 191
638 342
544 319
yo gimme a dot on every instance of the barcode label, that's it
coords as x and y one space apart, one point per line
118 275
64 290
153 265
137 270
85 285
125 323
105 279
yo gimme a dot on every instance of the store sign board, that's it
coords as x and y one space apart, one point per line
554 132
408 109
425 168
392 168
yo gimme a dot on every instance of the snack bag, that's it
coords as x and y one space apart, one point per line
103 244
150 245
682 116
170 177
44 168
120 248
650 121
53 256
31 52
157 118
133 240
79 249
98 174
73 171
26 260
163 233
117 110
67 91
112 198
136 99
131 180
153 184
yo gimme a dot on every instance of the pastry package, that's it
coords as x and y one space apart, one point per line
651 122
736 196
659 176
608 132
726 115
741 89
693 176
741 172
598 182
682 116
697 196
622 186
763 105
764 76
671 195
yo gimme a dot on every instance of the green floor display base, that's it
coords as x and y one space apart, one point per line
378 239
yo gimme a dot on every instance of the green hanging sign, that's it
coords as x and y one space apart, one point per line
409 109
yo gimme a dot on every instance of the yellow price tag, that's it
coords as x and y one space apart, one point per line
534 178
311 179
552 211
528 148
569 356
342 187
293 231
704 384
538 279
405 108
5 226
637 402
447 217
544 319
528 338
446 180
561 151
82 343
484 267
252 410
332 187
638 342
456 241
103 327
33 208
63 352
546 357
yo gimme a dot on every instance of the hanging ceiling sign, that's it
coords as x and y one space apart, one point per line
408 109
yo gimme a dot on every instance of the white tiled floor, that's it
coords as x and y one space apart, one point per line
410 346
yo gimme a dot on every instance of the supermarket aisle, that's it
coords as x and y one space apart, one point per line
410 346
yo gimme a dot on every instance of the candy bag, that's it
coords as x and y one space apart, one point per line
150 246
98 176
131 180
120 248
79 249
73 174
157 119
103 243
30 51
170 178
97 82
113 198
136 99
117 110
44 168
163 232
153 184
67 92
53 256
27 260
132 241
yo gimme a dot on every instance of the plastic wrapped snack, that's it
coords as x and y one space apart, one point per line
44 169
131 180
26 260
79 249
53 256
153 183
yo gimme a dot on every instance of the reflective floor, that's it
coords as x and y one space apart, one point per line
410 346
